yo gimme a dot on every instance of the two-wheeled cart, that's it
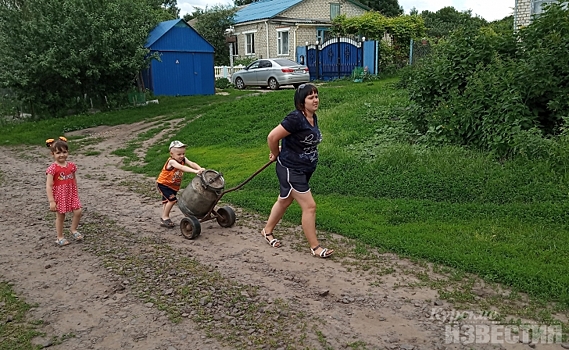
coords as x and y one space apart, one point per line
198 202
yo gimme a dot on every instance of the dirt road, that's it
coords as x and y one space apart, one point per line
135 285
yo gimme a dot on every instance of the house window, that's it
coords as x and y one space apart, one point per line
536 6
322 35
334 10
235 47
282 42
250 44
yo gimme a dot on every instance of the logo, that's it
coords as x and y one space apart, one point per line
482 327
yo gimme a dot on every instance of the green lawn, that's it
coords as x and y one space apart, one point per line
506 222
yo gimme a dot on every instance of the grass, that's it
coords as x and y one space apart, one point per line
16 330
506 222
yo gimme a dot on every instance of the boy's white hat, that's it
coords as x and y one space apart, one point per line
176 144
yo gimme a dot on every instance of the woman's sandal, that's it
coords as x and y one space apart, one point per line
62 242
324 253
77 236
275 243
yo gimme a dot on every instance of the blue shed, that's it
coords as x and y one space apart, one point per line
186 61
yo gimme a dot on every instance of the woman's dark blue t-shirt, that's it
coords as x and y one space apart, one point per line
299 150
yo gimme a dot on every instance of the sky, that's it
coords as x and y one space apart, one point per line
490 10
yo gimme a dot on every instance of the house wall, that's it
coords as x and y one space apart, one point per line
526 9
522 13
317 10
320 10
260 32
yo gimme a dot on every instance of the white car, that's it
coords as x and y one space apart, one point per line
271 72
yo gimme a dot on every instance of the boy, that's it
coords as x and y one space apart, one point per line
170 179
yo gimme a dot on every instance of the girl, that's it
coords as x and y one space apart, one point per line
61 188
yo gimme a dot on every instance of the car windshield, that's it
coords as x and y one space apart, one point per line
285 63
253 65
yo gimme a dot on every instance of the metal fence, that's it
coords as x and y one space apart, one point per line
418 50
226 71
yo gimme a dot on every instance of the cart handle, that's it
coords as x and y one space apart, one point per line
247 180
236 187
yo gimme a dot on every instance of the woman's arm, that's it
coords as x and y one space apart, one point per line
277 134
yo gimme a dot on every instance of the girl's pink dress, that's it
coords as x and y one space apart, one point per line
64 187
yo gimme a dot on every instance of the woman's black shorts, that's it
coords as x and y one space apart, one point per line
292 179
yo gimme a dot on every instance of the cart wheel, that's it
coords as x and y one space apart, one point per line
225 216
190 227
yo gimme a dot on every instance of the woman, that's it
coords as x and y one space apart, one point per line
296 162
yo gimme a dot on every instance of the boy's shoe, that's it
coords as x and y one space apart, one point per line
167 223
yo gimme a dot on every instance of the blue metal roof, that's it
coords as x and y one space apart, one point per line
263 9
160 30
177 35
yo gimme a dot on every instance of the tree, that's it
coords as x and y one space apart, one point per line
56 51
446 20
195 14
373 25
388 8
167 8
242 2
211 24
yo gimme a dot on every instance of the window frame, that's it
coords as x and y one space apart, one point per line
539 3
249 43
321 35
334 7
280 43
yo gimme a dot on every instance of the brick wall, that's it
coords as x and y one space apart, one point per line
522 13
320 10
525 11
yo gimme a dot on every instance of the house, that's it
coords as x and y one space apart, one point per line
274 28
185 65
526 9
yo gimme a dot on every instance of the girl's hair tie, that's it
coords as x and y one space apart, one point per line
49 142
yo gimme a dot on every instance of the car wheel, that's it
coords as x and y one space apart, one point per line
273 84
239 83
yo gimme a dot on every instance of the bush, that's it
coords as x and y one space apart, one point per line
245 61
491 91
222 83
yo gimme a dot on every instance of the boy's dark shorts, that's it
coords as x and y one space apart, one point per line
292 179
168 194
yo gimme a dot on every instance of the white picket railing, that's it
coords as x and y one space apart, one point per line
226 71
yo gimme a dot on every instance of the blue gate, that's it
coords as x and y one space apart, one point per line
336 58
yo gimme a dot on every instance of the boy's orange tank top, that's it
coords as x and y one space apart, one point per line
171 178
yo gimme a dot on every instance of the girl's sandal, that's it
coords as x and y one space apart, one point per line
275 243
77 236
324 253
62 242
